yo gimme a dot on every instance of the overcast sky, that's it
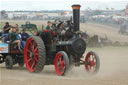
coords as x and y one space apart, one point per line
60 4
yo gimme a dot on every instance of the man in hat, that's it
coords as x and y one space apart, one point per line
7 27
24 35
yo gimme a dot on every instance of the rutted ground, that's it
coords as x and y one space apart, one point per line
113 71
103 30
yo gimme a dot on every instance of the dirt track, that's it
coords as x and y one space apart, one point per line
103 30
113 71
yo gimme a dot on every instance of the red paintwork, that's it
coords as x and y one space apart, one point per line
31 47
54 33
60 64
47 30
90 65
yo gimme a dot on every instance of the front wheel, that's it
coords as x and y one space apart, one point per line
61 63
92 62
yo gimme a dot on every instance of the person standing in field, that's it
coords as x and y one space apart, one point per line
123 27
42 27
48 27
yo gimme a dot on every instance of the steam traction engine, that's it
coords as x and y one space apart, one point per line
60 47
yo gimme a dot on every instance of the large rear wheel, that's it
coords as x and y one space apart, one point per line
34 54
61 63
92 62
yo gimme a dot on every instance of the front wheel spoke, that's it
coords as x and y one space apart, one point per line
62 64
93 59
92 63
60 60
90 58
89 67
61 69
94 66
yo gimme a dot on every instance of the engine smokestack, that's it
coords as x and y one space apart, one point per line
76 16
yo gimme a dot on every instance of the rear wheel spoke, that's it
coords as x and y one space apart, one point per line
35 49
30 44
33 65
36 53
28 60
28 50
36 59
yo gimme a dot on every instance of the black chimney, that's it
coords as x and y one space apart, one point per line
76 16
